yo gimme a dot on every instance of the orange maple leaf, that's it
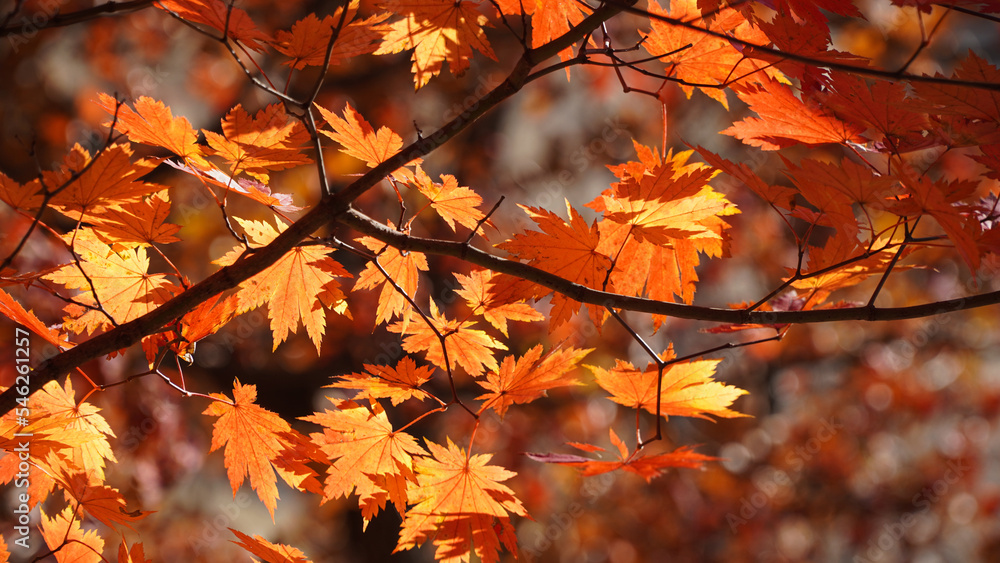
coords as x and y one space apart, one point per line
26 197
299 286
658 219
528 378
568 250
306 44
13 310
141 223
260 144
103 503
359 138
123 286
453 203
152 123
646 466
403 268
255 439
267 551
437 31
136 554
687 388
55 405
369 457
459 502
786 120
385 382
779 196
110 179
699 58
247 187
549 20
63 534
221 16
477 290
467 347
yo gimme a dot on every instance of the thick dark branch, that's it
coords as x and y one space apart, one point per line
71 18
132 332
402 241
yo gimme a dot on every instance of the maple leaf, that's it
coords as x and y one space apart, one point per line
63 534
152 123
938 200
477 290
260 144
403 268
267 551
91 184
26 197
307 42
16 312
299 286
834 189
528 378
785 120
384 382
368 456
881 105
142 223
778 196
221 16
657 220
687 388
699 58
665 203
453 203
255 439
549 20
460 503
568 250
843 250
437 31
971 104
250 188
4 553
359 138
646 466
120 280
467 347
55 405
136 554
205 319
103 503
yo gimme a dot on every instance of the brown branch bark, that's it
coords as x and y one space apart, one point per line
583 294
71 18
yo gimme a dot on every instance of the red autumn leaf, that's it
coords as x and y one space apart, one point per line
306 44
267 551
646 466
568 250
259 144
786 120
221 16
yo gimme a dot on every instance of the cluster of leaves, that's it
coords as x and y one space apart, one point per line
655 225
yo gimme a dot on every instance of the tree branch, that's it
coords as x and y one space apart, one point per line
326 211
